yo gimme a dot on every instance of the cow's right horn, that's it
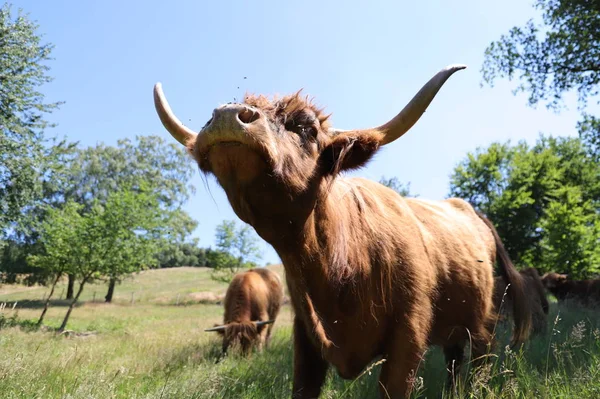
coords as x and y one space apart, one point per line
217 328
262 323
178 130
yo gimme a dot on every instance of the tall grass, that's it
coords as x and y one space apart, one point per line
152 350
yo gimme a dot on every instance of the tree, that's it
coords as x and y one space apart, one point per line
59 233
396 185
96 172
30 164
161 167
529 191
24 156
110 240
589 132
177 249
148 160
573 232
237 249
182 254
558 55
131 221
551 58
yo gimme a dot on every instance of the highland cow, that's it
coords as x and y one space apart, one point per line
252 303
584 292
370 274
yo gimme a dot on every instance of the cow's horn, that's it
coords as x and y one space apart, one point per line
262 323
217 328
411 113
178 130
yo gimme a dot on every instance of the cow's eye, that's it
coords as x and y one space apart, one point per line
304 130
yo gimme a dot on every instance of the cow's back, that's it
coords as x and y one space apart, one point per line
247 297
274 288
443 250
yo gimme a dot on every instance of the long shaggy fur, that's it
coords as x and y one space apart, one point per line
253 295
370 274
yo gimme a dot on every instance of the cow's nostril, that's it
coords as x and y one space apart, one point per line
248 116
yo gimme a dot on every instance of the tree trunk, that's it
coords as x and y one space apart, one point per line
72 305
71 286
39 323
111 290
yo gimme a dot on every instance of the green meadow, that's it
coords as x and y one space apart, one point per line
155 347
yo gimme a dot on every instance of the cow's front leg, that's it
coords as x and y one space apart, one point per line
310 368
404 354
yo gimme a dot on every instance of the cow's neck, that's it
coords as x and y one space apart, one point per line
321 245
318 236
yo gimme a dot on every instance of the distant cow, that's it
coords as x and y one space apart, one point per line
370 274
538 303
252 303
585 292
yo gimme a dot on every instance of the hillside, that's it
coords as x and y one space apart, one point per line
174 285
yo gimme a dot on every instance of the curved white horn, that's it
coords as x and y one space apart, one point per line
178 130
262 323
411 113
217 328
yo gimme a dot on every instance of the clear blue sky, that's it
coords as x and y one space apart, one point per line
362 62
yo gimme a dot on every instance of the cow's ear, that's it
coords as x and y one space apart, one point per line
348 150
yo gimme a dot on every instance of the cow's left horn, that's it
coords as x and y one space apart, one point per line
217 328
411 113
178 130
262 323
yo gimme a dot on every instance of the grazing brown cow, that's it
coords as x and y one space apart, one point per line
252 303
370 274
584 292
538 303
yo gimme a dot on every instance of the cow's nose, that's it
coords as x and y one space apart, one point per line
237 112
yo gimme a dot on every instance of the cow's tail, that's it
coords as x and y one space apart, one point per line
539 287
516 289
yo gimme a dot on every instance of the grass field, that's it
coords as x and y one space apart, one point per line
155 347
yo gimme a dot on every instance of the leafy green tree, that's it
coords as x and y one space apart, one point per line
237 249
184 254
24 153
555 56
401 188
59 233
131 221
524 191
13 259
589 132
147 161
572 234
112 239
177 249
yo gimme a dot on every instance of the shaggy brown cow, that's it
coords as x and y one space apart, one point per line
370 274
538 304
585 292
252 303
